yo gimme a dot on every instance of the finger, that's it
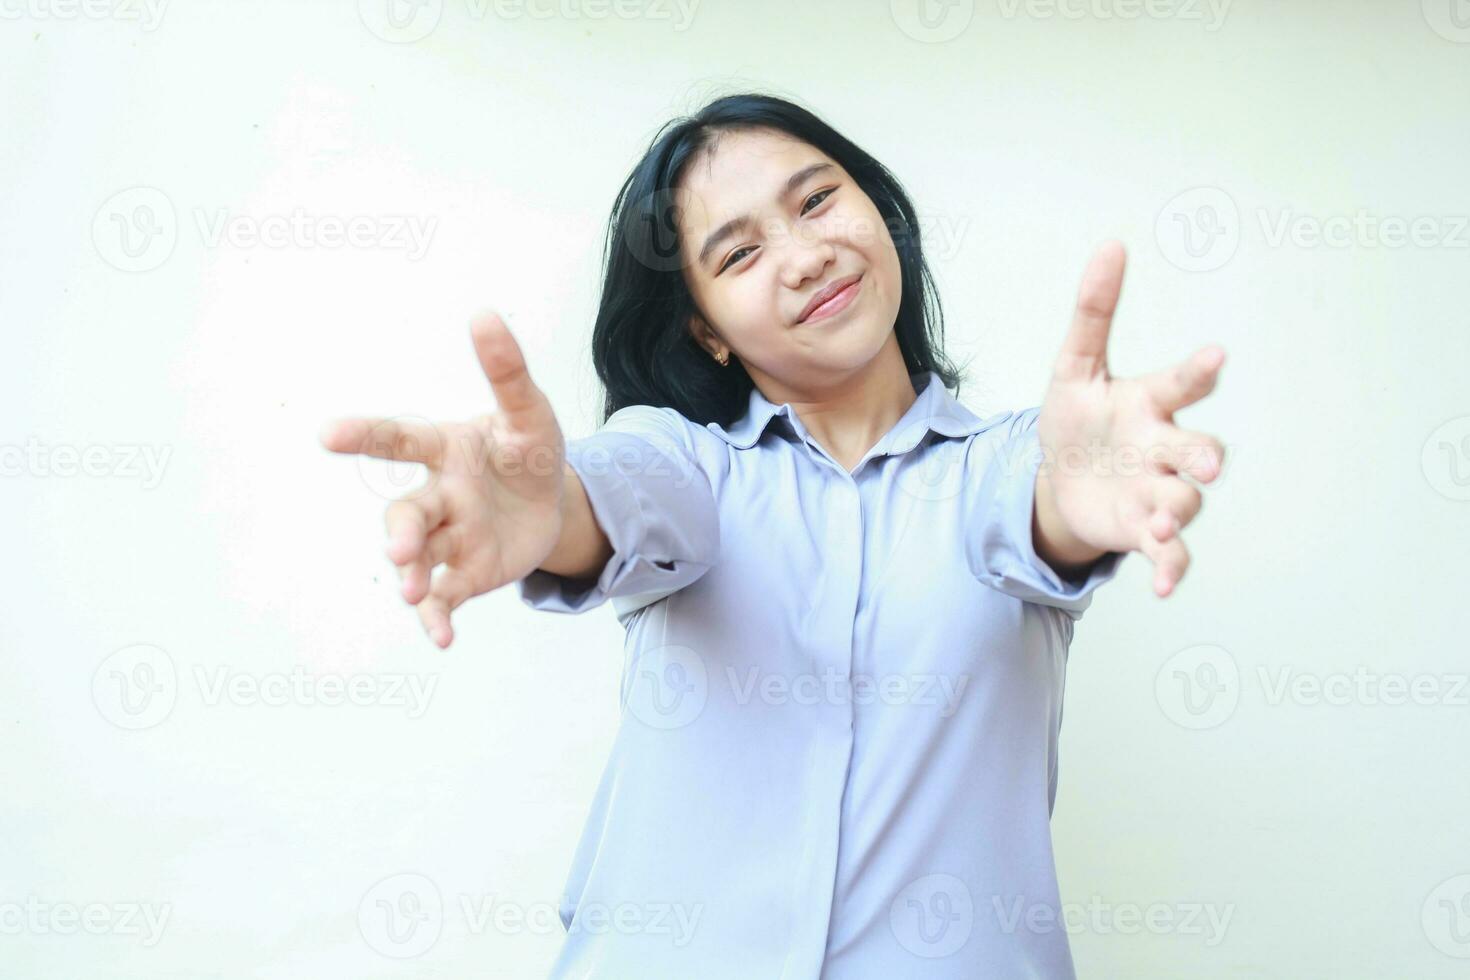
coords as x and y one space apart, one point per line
401 439
409 523
1170 558
1188 453
1186 382
415 580
1085 351
505 367
443 545
451 588
1176 503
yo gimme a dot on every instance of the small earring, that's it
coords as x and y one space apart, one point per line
724 358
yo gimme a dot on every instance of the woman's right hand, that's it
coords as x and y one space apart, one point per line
492 510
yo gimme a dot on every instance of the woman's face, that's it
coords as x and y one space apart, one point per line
809 226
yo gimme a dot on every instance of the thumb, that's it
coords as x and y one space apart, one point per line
1085 351
505 367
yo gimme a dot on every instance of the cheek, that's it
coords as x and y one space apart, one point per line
747 310
885 269
871 238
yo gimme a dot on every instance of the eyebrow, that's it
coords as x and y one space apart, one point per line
743 222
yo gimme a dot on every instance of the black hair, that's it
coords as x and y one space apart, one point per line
642 348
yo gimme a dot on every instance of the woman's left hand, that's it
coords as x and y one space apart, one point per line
1113 461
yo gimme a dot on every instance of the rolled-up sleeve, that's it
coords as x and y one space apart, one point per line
1002 467
654 502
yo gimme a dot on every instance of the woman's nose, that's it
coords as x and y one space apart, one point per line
807 260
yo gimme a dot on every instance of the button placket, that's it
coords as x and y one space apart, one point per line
843 530
845 527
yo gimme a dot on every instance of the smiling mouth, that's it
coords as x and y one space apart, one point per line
835 303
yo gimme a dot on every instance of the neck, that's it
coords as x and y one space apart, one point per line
848 417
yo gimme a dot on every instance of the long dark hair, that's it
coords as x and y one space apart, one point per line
642 347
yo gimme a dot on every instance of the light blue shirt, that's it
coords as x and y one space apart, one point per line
842 694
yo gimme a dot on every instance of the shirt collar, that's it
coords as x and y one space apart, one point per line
934 410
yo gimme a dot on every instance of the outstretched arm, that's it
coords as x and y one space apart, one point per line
1113 461
583 548
501 500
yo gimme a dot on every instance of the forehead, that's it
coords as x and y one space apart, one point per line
739 173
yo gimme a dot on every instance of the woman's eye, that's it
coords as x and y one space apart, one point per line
823 195
735 257
739 253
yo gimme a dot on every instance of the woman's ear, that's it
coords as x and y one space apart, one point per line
705 336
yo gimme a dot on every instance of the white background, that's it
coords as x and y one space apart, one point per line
1333 835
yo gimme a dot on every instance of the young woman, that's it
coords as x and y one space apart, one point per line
847 598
